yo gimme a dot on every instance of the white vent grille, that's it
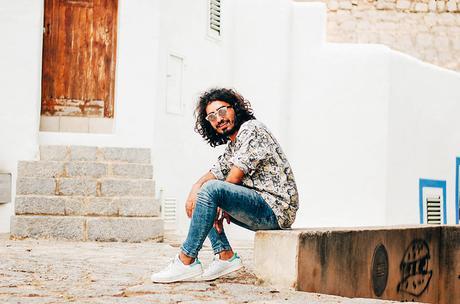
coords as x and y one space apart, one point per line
169 210
214 17
433 210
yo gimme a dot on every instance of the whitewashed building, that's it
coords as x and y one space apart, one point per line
372 134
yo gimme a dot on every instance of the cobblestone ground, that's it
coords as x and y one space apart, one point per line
42 271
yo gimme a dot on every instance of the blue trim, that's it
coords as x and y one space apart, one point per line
457 215
431 183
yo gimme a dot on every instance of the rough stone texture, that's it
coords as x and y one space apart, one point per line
62 227
43 271
412 27
83 153
339 261
138 207
100 206
32 185
124 229
31 204
104 194
40 169
130 155
58 153
132 170
127 187
77 186
90 169
90 206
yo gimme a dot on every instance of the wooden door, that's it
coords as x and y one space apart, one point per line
79 52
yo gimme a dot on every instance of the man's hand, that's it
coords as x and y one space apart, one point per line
191 201
219 220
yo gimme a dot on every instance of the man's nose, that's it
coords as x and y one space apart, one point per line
219 119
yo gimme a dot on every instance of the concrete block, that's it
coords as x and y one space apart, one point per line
35 185
417 263
127 187
130 155
138 206
48 227
92 169
421 7
403 4
449 264
101 206
451 6
83 153
132 170
58 153
109 229
40 168
77 186
90 206
287 248
30 204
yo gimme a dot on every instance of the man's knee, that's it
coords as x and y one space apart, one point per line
211 188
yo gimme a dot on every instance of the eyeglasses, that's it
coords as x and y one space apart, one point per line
222 111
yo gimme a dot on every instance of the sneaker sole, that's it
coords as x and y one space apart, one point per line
227 271
188 277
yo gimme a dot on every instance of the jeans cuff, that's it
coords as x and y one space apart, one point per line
221 248
188 253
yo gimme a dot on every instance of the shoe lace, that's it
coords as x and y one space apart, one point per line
169 266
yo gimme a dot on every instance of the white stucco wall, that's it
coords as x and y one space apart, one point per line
20 77
360 124
424 135
337 126
138 61
136 85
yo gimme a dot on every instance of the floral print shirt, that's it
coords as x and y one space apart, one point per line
266 169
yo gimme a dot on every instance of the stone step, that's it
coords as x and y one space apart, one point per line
76 228
86 206
103 187
420 263
86 153
49 169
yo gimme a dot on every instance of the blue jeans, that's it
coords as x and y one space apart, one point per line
246 209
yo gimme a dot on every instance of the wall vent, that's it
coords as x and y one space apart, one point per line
433 210
215 18
168 209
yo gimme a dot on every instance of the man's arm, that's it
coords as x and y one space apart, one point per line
235 176
191 200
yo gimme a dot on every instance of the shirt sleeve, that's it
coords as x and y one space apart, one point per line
221 168
254 146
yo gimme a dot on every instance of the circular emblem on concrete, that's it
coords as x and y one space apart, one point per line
379 270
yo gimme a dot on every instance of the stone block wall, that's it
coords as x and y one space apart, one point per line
426 29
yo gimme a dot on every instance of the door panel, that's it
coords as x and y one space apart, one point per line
79 54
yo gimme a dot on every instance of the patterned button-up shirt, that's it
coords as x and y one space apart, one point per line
266 169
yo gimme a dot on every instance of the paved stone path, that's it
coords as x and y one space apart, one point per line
42 271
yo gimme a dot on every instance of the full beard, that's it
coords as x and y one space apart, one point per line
228 132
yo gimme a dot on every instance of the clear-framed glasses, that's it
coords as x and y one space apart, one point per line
222 111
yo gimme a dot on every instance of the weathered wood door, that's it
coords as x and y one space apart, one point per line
79 52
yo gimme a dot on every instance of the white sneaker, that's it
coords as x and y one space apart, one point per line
176 271
220 268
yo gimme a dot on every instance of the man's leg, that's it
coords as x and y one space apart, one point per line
246 206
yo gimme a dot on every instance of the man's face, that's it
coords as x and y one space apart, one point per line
221 116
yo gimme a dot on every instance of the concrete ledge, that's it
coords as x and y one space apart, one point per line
418 263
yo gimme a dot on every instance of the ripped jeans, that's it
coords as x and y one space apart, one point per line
246 209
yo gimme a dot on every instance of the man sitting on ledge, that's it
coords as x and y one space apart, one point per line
251 185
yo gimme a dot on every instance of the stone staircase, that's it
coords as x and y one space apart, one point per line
87 194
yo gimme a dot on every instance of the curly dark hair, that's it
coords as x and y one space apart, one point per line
242 108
